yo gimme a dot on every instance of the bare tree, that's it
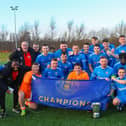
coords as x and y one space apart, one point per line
52 27
103 33
46 37
92 33
3 33
121 28
70 26
80 32
64 36
12 37
35 31
25 32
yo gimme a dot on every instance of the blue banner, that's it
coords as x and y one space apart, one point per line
70 94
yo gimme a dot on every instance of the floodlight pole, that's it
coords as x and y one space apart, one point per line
14 9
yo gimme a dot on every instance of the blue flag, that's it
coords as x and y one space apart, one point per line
70 94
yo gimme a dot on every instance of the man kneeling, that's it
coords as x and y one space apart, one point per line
78 74
25 89
120 86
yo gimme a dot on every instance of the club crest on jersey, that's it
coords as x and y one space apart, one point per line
123 51
56 73
106 72
28 57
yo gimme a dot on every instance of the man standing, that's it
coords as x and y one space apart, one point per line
103 71
121 48
76 57
94 41
87 54
95 58
36 49
121 63
109 47
44 58
63 48
65 65
25 55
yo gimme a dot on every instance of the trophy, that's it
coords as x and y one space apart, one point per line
96 109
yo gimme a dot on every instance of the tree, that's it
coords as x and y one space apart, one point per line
52 27
80 32
103 33
25 32
35 31
64 36
92 33
3 33
70 26
121 28
46 37
12 37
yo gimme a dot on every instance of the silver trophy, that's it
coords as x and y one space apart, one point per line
96 109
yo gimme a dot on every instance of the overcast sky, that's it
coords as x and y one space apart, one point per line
94 14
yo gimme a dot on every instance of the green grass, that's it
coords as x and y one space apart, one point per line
4 57
47 116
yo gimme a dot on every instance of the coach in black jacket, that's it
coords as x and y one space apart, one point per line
24 54
12 75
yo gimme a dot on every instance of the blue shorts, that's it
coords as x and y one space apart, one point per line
122 99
